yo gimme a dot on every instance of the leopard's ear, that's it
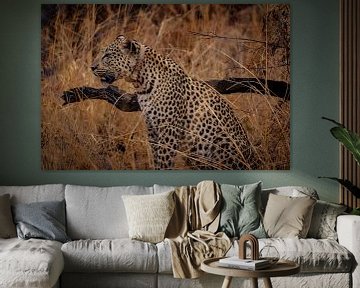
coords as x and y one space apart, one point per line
121 39
127 45
132 46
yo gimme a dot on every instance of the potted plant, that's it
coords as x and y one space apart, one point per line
351 141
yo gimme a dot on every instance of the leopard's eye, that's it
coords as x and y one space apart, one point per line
105 57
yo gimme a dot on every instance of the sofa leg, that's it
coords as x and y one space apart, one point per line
267 282
227 282
254 282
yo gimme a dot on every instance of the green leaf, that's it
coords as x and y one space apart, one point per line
348 138
355 211
333 121
347 184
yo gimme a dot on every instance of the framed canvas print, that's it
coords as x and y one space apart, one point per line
165 87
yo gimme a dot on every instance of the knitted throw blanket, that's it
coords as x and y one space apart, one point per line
191 232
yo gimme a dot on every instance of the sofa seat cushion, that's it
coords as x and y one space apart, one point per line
313 255
30 263
115 255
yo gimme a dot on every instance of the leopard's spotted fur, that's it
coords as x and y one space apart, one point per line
183 115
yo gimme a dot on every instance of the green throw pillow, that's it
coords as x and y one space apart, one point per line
240 213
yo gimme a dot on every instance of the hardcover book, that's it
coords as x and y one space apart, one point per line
236 262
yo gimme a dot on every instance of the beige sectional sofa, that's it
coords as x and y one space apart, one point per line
102 255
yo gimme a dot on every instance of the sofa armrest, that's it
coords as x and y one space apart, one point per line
348 230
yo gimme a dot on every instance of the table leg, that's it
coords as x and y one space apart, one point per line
254 282
267 283
227 282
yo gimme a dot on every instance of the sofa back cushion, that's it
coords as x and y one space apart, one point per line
36 193
98 213
7 227
163 188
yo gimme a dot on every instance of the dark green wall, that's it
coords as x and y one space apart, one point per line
314 93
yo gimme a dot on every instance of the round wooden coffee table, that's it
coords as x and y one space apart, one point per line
281 268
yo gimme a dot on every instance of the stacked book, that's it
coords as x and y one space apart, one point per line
248 264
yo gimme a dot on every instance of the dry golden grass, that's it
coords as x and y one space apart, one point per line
94 135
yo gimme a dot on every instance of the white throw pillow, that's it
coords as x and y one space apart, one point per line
149 215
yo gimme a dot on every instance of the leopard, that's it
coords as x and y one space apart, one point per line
184 117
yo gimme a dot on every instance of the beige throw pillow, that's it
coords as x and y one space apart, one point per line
288 217
148 215
7 226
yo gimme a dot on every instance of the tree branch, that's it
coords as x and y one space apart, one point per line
279 89
124 101
128 102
